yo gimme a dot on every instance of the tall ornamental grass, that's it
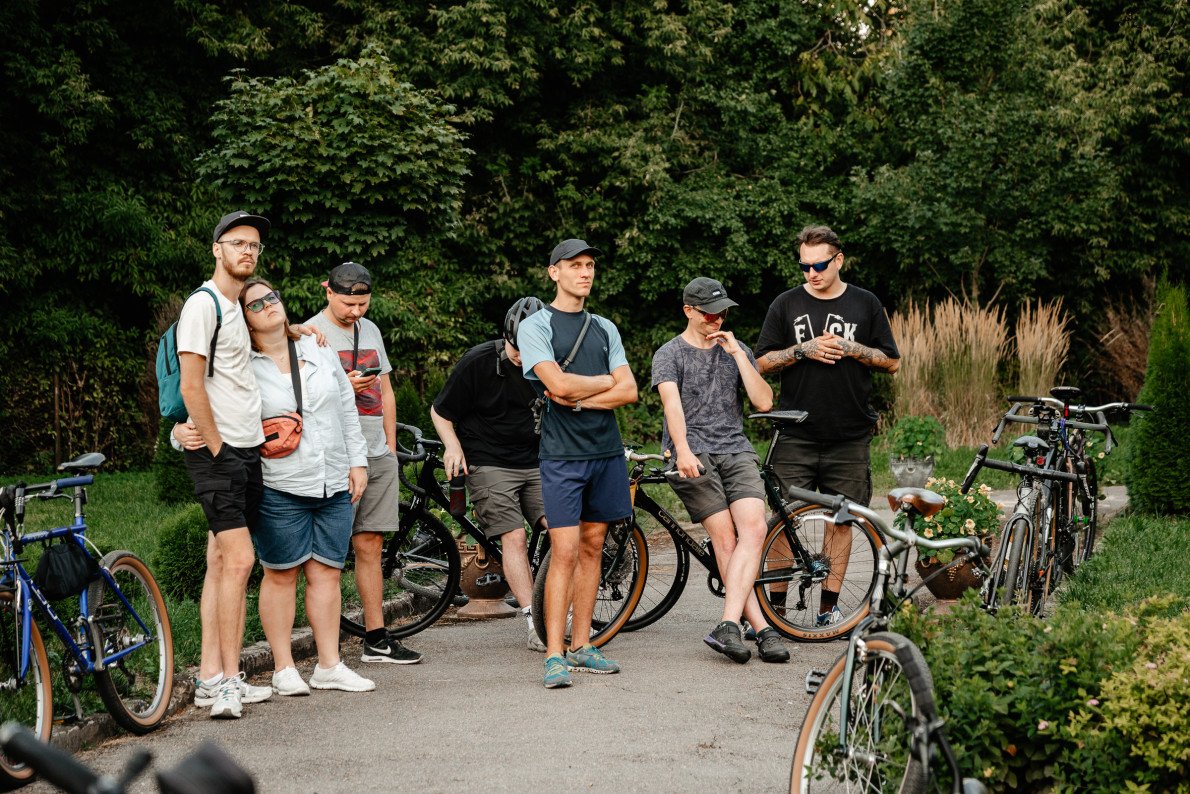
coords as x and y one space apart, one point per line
1042 342
969 342
912 395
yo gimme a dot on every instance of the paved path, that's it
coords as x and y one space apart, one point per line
474 715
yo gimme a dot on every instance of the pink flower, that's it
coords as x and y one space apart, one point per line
1041 726
1151 665
1093 702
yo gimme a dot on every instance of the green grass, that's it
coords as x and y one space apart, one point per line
1138 557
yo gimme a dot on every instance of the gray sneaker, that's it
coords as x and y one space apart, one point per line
727 640
206 694
227 705
535 643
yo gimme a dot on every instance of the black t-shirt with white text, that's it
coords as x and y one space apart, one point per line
836 396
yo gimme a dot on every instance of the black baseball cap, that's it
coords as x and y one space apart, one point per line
707 294
240 218
569 249
350 279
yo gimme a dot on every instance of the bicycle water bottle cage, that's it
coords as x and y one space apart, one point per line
1032 445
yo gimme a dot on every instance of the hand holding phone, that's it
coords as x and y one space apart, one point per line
367 372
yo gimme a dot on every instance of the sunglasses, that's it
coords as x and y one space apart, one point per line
711 317
819 266
259 304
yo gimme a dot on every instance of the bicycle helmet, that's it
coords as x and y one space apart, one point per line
519 311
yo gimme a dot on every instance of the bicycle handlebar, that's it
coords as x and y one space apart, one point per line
55 765
419 450
983 461
668 470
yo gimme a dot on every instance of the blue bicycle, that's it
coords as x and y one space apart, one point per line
121 634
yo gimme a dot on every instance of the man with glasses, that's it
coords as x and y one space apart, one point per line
224 464
362 354
484 417
700 375
577 364
825 338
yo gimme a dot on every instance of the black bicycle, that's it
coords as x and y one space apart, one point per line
803 550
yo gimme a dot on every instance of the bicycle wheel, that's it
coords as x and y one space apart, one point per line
420 567
132 624
669 568
1043 560
890 703
1016 574
27 700
789 585
1085 518
621 582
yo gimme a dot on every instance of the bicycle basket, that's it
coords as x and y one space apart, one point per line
64 570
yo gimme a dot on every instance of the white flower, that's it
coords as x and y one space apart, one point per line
1101 456
970 499
969 523
929 533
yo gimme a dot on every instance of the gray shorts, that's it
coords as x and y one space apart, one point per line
376 510
729 478
505 499
832 467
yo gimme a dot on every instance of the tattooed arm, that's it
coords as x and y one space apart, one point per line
823 349
869 356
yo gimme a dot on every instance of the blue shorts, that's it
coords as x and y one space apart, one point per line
292 529
585 490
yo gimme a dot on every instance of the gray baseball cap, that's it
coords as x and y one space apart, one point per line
240 218
707 294
569 249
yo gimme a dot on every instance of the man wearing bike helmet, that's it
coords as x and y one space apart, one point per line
700 375
576 361
484 417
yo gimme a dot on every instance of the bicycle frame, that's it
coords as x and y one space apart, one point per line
641 499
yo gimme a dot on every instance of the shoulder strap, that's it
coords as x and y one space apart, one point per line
577 342
218 325
355 347
295 373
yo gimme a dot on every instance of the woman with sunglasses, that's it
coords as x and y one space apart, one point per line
306 511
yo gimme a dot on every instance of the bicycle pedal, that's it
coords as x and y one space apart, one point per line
814 679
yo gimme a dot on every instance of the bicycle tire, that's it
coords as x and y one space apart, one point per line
891 696
669 570
620 583
1016 574
136 688
420 565
29 702
1042 558
1086 516
779 571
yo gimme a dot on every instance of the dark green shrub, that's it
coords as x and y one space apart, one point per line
1159 460
181 560
169 469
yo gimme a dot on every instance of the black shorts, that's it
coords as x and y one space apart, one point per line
227 486
831 467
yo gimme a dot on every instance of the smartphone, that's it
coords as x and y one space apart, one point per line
369 371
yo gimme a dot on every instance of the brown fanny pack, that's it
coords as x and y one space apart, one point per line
283 433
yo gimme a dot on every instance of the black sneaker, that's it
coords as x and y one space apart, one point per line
726 640
390 651
769 646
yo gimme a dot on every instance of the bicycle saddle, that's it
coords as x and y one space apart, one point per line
1032 444
1065 393
781 416
88 460
925 502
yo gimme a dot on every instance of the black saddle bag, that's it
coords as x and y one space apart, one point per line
64 570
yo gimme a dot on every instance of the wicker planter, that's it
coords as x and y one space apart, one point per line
957 580
911 472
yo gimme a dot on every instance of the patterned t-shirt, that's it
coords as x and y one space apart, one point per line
710 385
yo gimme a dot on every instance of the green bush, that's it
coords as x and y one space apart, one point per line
1026 701
169 469
181 560
1159 465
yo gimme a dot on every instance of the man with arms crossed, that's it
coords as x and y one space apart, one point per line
361 351
485 420
583 480
699 375
224 409
825 338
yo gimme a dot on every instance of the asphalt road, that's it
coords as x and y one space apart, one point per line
474 715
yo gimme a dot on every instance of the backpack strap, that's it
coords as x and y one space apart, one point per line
295 374
355 347
577 342
214 336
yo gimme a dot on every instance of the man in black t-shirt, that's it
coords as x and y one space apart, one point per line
825 338
484 417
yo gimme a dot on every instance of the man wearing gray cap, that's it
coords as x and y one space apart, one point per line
699 375
576 361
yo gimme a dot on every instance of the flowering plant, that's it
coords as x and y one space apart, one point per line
972 514
917 437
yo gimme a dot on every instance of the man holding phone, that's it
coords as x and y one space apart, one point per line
361 351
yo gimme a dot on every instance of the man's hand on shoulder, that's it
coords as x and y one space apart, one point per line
306 330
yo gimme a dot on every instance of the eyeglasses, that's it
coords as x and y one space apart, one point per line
258 305
819 266
711 317
240 245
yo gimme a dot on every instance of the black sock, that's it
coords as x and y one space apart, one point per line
828 601
376 636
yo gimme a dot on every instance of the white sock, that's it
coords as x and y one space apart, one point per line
212 681
527 612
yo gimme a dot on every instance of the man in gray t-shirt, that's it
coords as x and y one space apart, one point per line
699 375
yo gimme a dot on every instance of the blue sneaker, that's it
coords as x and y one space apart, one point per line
589 659
556 674
825 619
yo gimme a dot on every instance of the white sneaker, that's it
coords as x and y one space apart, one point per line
249 693
340 677
535 643
227 704
288 683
